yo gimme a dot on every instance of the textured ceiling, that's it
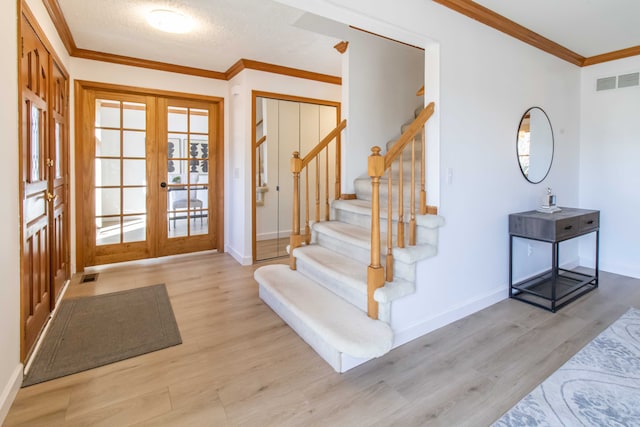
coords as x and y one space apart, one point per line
226 30
263 30
587 27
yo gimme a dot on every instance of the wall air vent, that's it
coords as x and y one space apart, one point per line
606 83
628 80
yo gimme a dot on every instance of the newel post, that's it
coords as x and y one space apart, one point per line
375 272
295 240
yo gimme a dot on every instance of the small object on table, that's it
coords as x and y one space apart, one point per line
549 203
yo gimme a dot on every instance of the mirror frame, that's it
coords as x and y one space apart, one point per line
528 111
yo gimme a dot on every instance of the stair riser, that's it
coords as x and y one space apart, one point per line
348 294
325 350
424 235
400 269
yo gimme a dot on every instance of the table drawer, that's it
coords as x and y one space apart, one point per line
567 227
589 222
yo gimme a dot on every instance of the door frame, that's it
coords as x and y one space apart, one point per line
280 97
80 128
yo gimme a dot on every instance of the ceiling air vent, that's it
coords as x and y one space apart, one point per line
606 83
628 80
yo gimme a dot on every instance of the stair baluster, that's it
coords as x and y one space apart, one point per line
297 164
423 192
412 221
307 229
400 201
375 272
376 169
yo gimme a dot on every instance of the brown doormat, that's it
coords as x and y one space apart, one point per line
93 331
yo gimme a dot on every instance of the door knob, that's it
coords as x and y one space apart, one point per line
163 184
51 197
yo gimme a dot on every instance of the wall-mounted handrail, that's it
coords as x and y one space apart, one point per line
378 166
297 165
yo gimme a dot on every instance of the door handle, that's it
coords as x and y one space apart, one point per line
51 197
163 184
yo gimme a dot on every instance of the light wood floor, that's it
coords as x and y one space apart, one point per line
272 248
239 364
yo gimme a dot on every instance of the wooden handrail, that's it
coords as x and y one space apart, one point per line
408 135
297 165
420 91
323 144
378 166
260 141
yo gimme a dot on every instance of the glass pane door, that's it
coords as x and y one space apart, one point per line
186 161
120 172
187 172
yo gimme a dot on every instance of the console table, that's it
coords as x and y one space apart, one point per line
556 287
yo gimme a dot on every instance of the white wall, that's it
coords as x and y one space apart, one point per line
239 244
383 77
10 367
609 159
487 80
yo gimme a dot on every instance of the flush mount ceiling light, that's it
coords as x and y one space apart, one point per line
169 21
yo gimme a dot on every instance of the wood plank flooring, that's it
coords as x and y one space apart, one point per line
240 365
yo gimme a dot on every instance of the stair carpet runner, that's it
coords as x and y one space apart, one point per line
325 299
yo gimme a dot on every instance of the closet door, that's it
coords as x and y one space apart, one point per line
282 127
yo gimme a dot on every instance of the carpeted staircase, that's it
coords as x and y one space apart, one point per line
325 299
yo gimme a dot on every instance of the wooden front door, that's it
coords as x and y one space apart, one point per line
145 164
43 182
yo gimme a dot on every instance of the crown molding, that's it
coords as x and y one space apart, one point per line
146 63
279 69
488 17
60 23
612 56
341 47
385 37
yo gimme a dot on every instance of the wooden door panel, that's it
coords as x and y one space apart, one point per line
57 168
36 296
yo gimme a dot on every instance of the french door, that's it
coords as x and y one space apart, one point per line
148 162
43 183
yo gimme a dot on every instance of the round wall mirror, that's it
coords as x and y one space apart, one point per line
535 145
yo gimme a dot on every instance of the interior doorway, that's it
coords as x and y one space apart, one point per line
149 172
284 124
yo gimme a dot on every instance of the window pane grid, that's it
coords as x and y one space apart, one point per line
128 221
188 164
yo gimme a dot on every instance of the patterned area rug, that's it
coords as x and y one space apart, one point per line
93 331
599 386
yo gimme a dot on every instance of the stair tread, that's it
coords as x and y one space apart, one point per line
361 237
351 273
342 325
363 207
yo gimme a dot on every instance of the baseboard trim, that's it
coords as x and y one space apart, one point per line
425 326
616 268
10 391
242 260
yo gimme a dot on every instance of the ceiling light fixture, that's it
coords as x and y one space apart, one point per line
170 21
